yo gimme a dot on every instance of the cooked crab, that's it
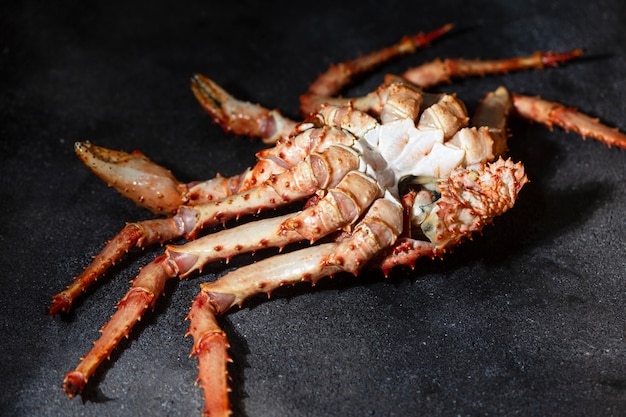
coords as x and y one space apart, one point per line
376 181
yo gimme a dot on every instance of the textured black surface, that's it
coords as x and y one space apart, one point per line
527 319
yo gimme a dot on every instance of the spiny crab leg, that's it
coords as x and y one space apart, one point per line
153 187
272 161
211 348
438 71
149 284
551 113
210 344
140 234
339 208
338 76
142 295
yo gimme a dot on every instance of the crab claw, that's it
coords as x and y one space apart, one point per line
240 117
134 176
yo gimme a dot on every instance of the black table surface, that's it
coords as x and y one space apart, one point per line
526 319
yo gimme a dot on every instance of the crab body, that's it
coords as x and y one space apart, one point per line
376 181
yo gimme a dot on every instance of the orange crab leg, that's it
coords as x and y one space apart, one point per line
178 261
210 344
142 295
210 347
340 75
551 113
272 161
438 71
340 207
378 230
134 176
406 252
133 235
149 284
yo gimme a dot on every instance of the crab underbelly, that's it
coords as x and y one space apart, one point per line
393 151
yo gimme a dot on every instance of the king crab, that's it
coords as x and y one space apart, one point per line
387 178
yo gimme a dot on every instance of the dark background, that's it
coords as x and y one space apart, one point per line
527 319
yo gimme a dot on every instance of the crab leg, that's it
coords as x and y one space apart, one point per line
211 348
272 161
210 344
340 75
378 229
551 113
149 284
142 295
151 280
406 252
140 234
154 187
339 208
438 71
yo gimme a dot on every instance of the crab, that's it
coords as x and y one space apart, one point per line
376 181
